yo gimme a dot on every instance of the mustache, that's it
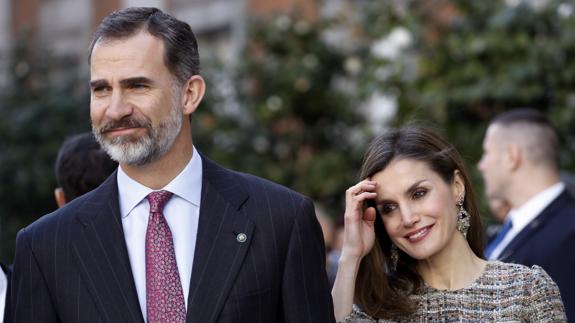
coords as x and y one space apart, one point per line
128 122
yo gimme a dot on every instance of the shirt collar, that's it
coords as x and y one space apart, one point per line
187 185
522 216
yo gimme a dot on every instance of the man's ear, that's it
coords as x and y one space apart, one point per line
458 185
192 94
60 196
513 156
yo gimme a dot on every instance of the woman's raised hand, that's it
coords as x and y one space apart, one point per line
358 239
359 234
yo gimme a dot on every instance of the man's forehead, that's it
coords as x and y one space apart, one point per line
494 133
138 55
137 42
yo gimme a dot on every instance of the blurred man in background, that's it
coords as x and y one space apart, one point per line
81 166
520 164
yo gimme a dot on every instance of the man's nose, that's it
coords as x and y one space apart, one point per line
118 107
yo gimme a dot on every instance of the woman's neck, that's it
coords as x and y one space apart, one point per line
454 267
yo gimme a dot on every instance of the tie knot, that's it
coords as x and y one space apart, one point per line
158 200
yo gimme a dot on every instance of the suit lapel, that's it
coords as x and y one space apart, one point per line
224 236
536 224
102 257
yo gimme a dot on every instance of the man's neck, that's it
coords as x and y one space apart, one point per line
529 186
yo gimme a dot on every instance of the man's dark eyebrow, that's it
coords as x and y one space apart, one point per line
98 83
136 80
124 83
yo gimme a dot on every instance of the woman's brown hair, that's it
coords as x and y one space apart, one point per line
381 291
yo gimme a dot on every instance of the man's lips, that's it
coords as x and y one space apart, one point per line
419 234
121 130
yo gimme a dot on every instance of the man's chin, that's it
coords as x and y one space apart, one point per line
129 153
121 140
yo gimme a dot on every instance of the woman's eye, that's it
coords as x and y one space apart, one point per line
387 208
419 193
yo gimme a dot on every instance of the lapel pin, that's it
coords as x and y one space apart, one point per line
241 237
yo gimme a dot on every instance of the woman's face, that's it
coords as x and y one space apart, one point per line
418 207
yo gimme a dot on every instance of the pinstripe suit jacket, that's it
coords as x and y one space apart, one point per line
72 265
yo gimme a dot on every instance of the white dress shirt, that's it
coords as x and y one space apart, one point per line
3 290
522 216
182 213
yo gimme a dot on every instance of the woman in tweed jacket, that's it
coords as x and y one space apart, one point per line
413 244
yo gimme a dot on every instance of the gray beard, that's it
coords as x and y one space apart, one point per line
139 151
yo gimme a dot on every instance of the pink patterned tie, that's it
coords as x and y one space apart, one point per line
164 296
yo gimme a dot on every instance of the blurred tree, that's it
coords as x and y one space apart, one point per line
459 63
282 114
45 102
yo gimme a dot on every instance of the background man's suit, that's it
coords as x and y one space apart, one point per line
72 265
549 241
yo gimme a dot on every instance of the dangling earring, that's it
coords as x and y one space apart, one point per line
394 255
463 218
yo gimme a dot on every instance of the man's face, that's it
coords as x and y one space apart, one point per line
492 165
135 104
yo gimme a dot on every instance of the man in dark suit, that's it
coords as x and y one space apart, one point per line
520 163
170 236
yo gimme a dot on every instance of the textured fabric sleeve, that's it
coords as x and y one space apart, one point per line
30 298
357 316
545 298
305 288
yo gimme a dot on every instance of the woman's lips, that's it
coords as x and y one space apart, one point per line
419 234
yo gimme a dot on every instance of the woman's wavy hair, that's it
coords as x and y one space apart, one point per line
381 291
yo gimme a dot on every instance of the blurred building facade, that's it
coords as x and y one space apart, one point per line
65 27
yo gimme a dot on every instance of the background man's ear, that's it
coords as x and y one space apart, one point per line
59 196
513 156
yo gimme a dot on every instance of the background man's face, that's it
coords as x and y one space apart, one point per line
134 105
491 163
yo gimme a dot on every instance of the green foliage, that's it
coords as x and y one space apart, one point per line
37 111
285 119
470 60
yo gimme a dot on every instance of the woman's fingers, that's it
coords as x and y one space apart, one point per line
369 215
356 196
359 221
363 186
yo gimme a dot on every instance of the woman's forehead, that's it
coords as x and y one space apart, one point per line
401 174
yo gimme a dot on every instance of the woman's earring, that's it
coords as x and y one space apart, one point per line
463 219
394 255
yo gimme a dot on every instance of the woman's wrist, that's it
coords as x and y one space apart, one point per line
349 261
